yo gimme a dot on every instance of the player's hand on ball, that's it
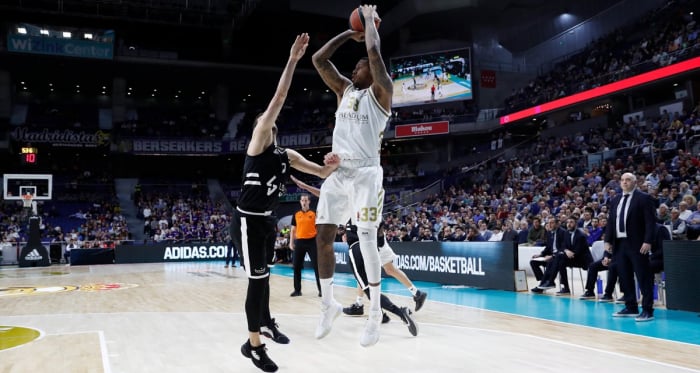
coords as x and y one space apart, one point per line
358 36
369 11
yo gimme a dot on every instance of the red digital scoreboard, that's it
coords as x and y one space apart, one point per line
28 155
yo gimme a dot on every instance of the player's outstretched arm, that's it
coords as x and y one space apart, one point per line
311 189
298 162
262 130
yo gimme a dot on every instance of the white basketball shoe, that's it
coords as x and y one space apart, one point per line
328 314
370 336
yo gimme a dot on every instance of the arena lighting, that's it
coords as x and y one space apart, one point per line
21 30
66 34
603 90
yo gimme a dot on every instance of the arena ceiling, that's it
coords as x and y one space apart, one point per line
256 34
235 21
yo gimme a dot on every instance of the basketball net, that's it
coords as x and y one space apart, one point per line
27 200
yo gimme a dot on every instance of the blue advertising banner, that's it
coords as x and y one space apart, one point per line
170 252
60 47
488 265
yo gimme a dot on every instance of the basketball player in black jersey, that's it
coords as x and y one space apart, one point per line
358 265
265 170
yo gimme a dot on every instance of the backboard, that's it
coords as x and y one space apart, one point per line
16 185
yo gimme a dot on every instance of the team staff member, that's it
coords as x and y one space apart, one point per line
303 241
628 236
253 228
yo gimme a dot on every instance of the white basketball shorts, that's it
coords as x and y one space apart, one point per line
386 253
352 193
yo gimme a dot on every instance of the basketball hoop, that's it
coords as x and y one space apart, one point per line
27 200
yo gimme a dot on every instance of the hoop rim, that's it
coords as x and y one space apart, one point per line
27 200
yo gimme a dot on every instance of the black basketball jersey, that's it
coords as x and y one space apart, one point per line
264 176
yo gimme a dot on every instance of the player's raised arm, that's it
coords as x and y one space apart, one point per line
329 73
382 86
263 134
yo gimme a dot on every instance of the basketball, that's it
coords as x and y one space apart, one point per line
357 21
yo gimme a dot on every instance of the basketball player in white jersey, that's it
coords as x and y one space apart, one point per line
355 190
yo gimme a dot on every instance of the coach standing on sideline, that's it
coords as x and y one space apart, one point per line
302 240
628 235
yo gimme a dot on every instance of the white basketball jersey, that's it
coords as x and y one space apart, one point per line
359 125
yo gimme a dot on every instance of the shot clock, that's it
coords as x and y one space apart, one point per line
28 155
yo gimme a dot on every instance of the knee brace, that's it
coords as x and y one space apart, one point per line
370 254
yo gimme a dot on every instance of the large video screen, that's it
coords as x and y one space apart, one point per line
432 77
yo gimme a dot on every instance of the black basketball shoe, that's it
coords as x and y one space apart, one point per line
271 331
419 298
259 357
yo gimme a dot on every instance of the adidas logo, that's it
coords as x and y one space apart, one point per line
255 354
33 255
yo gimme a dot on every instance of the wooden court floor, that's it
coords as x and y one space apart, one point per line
188 317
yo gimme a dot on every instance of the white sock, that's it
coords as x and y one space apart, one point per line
413 290
358 300
375 293
327 291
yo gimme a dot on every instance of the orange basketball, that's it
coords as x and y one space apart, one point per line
357 21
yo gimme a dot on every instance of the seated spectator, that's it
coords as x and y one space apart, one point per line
536 234
403 235
693 224
496 234
523 232
445 234
474 235
459 235
573 253
683 211
484 231
677 225
553 243
508 233
594 232
663 215
79 215
426 234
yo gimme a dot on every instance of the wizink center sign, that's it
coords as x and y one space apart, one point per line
60 47
170 252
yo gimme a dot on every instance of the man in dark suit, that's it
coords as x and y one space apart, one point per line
577 254
628 236
555 244
509 235
574 252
